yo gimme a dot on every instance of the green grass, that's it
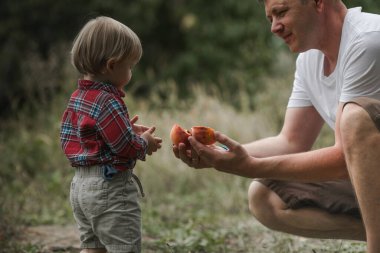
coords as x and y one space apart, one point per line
185 210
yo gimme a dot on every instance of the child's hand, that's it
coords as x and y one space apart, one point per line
154 143
138 129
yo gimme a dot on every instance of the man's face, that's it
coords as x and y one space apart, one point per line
294 21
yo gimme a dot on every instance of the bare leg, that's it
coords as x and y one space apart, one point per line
272 212
361 143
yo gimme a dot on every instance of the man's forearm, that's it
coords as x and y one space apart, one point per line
312 166
272 146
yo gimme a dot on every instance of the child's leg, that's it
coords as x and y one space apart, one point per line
118 227
82 194
111 215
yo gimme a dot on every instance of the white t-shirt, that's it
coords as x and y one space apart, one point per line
357 72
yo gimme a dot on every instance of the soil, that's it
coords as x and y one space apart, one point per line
52 238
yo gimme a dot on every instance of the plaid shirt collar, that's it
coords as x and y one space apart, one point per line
93 85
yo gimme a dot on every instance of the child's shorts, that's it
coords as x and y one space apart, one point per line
107 212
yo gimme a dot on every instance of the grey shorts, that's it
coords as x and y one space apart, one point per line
335 197
107 212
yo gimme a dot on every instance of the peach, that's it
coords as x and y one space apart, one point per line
205 135
179 135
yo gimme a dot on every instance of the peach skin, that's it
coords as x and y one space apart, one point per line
204 135
179 135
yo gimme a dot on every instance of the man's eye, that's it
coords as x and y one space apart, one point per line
281 14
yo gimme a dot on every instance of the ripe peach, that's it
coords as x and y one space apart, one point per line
179 135
204 135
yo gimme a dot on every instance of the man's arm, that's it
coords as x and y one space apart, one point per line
308 166
299 132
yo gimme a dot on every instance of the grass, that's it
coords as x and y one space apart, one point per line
185 210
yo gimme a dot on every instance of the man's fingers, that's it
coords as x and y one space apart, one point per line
205 153
183 154
175 151
228 142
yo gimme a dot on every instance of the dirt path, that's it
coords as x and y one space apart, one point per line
52 238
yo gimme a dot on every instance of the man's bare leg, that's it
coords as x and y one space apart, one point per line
272 212
361 143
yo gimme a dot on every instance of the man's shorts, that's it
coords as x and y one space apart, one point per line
372 106
335 197
107 212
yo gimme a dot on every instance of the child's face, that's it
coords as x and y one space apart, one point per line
120 72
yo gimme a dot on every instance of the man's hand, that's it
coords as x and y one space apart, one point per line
207 156
231 160
189 156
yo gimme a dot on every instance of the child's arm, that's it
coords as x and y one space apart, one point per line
117 132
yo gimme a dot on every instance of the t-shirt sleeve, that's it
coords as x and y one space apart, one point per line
299 96
361 71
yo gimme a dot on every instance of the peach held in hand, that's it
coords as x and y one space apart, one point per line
204 135
179 135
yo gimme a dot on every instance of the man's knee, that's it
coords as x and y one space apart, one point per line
353 118
263 204
255 197
355 124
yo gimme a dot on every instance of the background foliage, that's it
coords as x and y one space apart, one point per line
218 43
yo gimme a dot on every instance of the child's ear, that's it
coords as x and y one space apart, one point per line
110 64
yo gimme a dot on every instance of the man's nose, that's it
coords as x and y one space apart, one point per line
276 26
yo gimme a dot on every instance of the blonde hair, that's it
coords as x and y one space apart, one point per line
100 40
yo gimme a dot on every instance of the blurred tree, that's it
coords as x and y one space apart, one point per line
31 28
187 41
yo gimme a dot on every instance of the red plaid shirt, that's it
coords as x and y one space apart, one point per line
96 129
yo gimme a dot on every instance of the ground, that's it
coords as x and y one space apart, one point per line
52 238
65 239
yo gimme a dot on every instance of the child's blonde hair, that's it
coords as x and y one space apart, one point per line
100 40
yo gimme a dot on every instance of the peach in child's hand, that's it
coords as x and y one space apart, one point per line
179 135
205 135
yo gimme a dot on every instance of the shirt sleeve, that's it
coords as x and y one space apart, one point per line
299 96
362 67
116 130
